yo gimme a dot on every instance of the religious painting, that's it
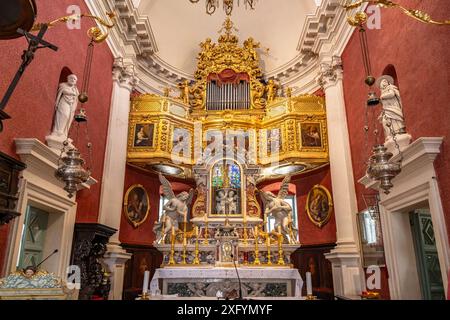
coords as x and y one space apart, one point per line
274 142
319 205
136 205
181 142
311 135
143 135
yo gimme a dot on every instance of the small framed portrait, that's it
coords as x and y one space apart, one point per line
319 205
136 205
311 135
143 135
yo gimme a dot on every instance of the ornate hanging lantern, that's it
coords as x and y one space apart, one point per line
381 169
71 170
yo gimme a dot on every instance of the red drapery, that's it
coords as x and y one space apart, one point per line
228 76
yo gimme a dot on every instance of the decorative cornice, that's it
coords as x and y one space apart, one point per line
330 72
417 155
124 73
325 31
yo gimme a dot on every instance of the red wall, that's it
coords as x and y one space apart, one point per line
419 53
32 104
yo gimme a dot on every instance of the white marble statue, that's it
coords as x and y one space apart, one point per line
65 106
281 210
392 114
232 202
175 210
221 199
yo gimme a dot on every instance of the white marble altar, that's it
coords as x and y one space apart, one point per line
205 282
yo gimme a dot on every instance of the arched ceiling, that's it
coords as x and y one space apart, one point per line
161 38
179 26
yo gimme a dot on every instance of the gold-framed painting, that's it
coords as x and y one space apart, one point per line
311 135
319 205
136 205
143 135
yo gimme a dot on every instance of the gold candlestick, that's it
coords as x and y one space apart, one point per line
245 230
206 229
172 247
196 259
256 262
280 250
269 258
184 247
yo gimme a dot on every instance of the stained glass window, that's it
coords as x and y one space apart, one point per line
235 176
217 178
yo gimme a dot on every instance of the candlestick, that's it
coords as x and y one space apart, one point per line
245 230
172 247
257 262
308 284
146 281
196 259
269 258
206 230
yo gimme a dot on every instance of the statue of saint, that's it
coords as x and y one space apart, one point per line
175 210
65 106
281 210
392 114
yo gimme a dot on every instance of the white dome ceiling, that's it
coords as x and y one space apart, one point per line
179 26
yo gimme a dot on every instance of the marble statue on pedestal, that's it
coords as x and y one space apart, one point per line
65 107
281 210
391 116
175 210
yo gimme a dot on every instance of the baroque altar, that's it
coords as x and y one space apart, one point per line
229 130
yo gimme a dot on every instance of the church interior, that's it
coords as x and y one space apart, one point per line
221 149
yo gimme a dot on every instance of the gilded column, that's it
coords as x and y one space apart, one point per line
124 80
345 258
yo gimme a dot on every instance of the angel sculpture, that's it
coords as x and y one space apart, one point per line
175 210
281 210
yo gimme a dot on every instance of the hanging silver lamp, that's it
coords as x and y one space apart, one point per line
71 171
381 169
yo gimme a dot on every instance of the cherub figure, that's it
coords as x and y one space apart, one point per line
271 90
232 202
221 199
281 210
175 210
184 91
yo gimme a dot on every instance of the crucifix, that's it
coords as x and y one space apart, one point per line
34 43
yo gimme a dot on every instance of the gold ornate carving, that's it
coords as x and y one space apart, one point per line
360 17
227 54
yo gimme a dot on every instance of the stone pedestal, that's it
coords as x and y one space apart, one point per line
115 258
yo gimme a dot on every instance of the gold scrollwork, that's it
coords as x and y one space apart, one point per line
94 33
360 17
